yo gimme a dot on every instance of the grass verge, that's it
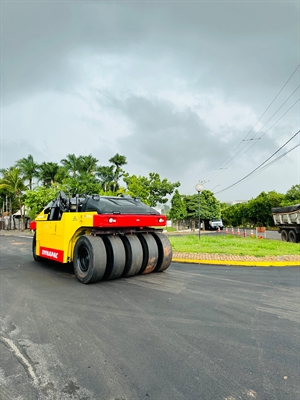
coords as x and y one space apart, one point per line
243 246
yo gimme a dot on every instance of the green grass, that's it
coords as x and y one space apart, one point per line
170 229
244 246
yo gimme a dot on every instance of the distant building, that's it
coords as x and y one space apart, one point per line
232 203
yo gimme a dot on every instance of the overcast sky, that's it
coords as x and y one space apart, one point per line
179 88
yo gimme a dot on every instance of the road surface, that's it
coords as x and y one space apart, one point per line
191 332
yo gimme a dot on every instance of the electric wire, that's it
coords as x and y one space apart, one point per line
252 172
232 152
253 144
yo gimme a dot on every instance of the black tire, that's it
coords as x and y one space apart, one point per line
89 259
150 253
293 236
134 255
164 251
35 256
116 257
284 236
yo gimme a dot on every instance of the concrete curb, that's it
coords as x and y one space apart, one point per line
240 263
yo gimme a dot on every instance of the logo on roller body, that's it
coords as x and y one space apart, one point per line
52 254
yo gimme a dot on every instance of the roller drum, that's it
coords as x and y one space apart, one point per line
134 255
150 253
116 257
164 250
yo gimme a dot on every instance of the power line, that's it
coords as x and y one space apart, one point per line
233 151
252 172
276 159
253 144
266 131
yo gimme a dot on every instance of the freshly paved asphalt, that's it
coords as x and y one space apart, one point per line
191 332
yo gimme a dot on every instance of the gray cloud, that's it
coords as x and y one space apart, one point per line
156 82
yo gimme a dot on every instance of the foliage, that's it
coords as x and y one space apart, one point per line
106 177
235 215
118 161
87 164
151 190
37 199
259 209
28 168
72 164
85 183
292 196
48 172
13 183
256 212
209 206
178 209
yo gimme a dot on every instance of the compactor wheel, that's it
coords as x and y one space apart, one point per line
89 259
134 255
164 251
116 257
150 253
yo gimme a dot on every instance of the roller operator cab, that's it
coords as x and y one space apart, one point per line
105 237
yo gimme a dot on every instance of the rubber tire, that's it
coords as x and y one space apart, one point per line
150 253
164 251
134 255
89 259
292 236
284 236
35 256
116 257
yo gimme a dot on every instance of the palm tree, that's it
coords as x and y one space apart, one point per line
88 164
106 176
48 172
118 161
13 183
72 164
28 168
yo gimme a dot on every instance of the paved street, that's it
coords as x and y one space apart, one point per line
191 332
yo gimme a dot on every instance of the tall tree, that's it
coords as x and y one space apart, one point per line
259 210
28 168
106 176
88 164
48 172
292 196
35 200
209 206
178 209
13 182
72 164
118 161
152 190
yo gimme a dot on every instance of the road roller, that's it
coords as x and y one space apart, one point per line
105 237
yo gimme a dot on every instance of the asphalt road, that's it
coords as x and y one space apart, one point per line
191 332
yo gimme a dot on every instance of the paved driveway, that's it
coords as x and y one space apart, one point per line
191 332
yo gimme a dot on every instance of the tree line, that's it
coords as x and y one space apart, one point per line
34 185
255 212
